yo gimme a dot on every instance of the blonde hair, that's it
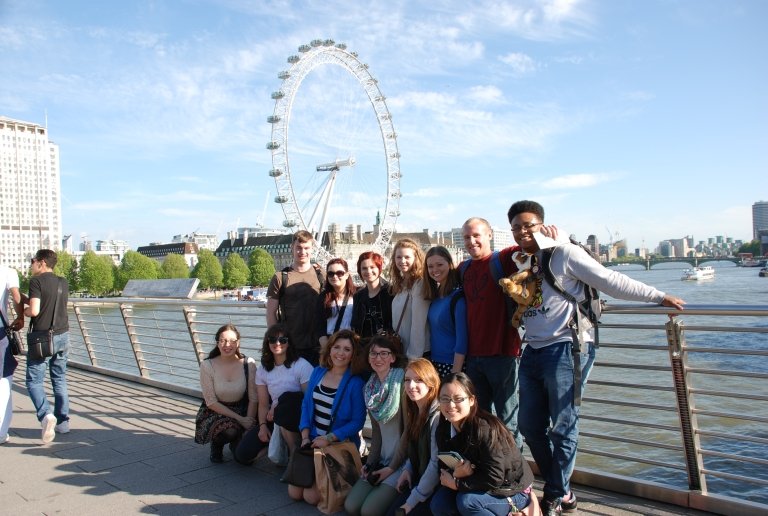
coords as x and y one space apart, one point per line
399 281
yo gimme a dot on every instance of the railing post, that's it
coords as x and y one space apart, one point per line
126 310
685 406
86 336
189 316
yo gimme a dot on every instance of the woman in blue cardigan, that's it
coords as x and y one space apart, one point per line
333 408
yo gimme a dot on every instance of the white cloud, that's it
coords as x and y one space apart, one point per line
486 94
576 181
520 64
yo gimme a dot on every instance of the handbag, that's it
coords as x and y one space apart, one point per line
13 336
337 469
40 342
301 467
278 449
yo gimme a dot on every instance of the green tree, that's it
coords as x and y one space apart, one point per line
135 266
752 247
66 267
261 267
235 271
208 270
23 282
96 273
174 266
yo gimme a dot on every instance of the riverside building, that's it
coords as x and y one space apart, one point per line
30 192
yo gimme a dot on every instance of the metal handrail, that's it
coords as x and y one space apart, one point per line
652 378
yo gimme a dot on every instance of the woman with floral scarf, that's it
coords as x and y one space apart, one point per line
376 490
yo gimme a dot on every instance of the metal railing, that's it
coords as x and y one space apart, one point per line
675 408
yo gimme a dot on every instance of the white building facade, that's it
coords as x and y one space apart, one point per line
30 192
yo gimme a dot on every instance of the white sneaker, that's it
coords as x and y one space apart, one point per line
49 432
5 439
63 427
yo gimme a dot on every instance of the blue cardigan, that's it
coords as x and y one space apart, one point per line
348 410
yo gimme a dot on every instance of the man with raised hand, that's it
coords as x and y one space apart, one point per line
292 297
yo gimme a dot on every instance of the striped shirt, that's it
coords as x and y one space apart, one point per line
323 398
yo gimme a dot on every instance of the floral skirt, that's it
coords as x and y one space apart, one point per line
209 424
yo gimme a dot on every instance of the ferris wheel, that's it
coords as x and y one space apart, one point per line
310 210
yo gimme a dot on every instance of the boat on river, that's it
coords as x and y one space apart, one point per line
763 272
698 273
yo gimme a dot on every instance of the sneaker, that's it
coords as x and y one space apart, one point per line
570 505
5 439
49 432
63 427
551 507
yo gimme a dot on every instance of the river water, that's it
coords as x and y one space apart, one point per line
166 343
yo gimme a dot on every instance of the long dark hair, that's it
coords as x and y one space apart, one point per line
267 357
414 419
499 432
215 352
431 290
329 294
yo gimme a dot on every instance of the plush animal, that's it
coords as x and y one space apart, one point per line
520 286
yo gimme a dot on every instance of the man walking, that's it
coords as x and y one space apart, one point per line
47 306
292 297
9 286
549 409
494 344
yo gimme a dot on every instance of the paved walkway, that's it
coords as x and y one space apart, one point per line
131 451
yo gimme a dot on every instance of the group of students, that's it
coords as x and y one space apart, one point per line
446 319
415 417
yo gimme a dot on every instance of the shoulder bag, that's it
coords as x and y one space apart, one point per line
40 343
337 469
14 337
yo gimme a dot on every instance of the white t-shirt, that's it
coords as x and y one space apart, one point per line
8 280
283 379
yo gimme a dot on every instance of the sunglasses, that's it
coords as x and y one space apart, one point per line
275 340
338 274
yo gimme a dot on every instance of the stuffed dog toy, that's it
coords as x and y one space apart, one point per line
520 286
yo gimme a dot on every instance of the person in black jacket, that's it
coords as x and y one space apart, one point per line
491 477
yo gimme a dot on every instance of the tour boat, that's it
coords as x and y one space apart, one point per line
698 273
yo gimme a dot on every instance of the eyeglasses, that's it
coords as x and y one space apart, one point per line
527 227
338 274
458 400
275 340
382 354
228 341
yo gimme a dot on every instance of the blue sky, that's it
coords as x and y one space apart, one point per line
647 119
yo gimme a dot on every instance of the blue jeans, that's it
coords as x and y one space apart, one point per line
546 384
447 502
57 364
496 382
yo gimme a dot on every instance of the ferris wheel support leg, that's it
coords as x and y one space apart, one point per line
326 206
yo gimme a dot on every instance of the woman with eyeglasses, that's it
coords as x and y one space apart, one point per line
417 450
447 314
281 380
491 476
333 409
376 489
336 300
372 310
229 394
409 308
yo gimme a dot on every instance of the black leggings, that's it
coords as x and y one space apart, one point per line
250 445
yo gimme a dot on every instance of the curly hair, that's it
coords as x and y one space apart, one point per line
267 357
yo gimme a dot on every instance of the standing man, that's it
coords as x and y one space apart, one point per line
9 286
48 294
292 297
547 376
494 344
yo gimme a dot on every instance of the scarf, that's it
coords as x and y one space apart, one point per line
382 399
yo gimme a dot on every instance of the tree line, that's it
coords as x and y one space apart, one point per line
98 275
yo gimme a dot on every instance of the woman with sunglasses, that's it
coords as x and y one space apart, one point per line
229 394
409 308
372 310
281 380
447 314
336 300
491 477
417 451
376 489
333 409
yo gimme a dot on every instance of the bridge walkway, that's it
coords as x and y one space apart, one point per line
131 451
